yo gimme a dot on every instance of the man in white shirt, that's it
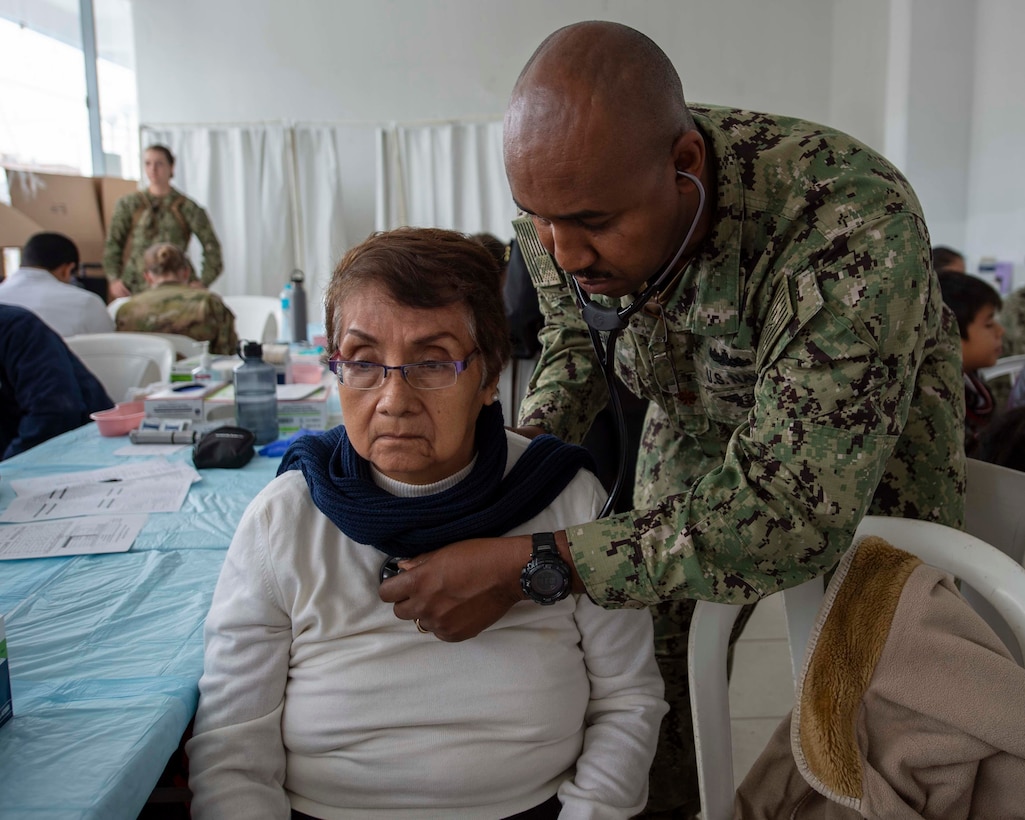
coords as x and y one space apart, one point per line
43 285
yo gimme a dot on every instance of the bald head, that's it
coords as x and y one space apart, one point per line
597 80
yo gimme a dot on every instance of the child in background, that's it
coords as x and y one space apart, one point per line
975 304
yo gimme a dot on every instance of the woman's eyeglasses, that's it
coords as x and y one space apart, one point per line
421 375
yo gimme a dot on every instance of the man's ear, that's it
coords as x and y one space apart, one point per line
63 272
689 155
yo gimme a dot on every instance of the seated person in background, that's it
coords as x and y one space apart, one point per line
315 700
171 306
44 389
975 304
1003 440
43 285
1012 317
944 258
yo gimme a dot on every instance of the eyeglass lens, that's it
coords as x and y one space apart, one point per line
423 376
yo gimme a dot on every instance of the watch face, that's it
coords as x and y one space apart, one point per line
547 581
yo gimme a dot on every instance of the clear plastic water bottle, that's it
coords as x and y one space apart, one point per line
285 331
256 403
299 333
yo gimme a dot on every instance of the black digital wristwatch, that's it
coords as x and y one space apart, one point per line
546 578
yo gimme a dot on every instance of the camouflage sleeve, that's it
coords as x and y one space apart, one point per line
567 388
1012 317
837 361
117 236
199 224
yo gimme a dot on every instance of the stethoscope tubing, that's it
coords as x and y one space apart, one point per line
613 321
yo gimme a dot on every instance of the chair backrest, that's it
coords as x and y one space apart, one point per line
1006 366
114 306
184 346
996 577
256 317
995 512
124 360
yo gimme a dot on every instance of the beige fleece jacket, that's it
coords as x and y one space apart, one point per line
908 707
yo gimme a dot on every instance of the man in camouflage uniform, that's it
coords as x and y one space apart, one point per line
802 368
171 306
159 214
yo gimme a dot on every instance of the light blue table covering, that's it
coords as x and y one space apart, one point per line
106 650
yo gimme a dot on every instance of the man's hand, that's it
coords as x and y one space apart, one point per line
460 590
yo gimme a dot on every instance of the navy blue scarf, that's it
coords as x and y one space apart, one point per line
484 504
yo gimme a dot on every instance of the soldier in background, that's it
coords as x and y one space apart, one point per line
172 306
801 366
158 214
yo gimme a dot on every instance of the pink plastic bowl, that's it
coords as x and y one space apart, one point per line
121 420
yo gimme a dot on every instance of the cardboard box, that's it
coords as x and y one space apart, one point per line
6 703
108 191
307 411
178 403
78 207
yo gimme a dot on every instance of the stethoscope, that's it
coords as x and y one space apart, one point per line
612 320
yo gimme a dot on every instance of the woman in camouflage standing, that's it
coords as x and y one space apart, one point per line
158 214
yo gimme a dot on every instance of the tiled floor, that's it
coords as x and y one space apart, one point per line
761 686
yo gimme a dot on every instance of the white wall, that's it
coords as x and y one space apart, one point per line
408 60
996 185
938 85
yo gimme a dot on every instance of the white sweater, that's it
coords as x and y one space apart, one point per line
315 696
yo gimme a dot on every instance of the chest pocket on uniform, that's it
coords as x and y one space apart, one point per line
660 366
727 377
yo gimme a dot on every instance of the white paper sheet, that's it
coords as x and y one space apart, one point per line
80 536
121 472
148 495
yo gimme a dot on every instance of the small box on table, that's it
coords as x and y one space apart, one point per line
183 401
300 406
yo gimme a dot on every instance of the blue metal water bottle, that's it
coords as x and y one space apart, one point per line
256 403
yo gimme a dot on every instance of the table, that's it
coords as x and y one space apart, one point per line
106 650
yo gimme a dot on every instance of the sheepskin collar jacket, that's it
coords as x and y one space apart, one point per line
908 706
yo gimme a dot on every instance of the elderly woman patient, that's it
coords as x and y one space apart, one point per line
316 701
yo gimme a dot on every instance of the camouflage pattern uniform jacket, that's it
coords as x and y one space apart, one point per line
141 219
173 308
807 373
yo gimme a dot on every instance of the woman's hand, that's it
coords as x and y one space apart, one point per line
460 590
116 289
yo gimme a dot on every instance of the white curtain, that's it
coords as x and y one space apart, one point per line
329 186
242 175
447 175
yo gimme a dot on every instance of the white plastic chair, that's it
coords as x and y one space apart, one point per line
124 360
996 577
257 318
184 346
115 306
995 512
1007 366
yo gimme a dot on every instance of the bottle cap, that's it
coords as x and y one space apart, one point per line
251 350
298 275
